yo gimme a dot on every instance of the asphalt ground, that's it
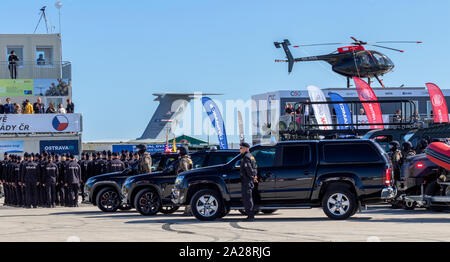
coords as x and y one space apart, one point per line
87 223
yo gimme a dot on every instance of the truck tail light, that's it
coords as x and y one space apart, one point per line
387 178
419 165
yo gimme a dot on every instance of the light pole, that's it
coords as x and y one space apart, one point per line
58 6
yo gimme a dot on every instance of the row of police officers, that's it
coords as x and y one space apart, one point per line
48 180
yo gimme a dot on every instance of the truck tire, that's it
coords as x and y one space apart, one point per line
207 205
339 203
108 200
147 202
168 209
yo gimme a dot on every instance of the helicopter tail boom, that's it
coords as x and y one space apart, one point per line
290 59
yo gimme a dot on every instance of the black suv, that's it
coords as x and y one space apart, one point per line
338 175
151 193
104 190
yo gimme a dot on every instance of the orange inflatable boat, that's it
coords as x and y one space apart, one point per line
439 153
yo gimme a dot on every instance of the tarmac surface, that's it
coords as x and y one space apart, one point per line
87 223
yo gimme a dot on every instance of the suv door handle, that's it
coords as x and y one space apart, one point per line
307 173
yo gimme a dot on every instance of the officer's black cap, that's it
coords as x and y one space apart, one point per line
244 144
25 155
104 153
183 150
114 154
5 154
109 153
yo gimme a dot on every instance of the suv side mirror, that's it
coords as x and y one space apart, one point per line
237 164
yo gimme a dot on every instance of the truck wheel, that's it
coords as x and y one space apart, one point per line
147 202
339 203
207 205
108 200
168 209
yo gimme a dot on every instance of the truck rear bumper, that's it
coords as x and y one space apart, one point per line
388 193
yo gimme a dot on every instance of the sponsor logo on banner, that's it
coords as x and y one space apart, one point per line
373 110
60 146
39 123
321 111
11 147
60 123
440 110
217 121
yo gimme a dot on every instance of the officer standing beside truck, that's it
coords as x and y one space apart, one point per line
249 173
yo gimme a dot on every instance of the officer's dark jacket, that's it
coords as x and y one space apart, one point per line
32 172
84 169
248 167
72 174
16 173
101 167
61 170
51 173
115 165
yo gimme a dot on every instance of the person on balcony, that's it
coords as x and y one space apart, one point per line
28 109
61 109
70 107
2 108
17 109
51 109
8 107
40 60
39 107
12 59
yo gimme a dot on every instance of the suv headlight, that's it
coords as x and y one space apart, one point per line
179 180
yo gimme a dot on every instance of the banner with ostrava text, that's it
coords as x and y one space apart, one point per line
343 115
373 110
440 110
40 123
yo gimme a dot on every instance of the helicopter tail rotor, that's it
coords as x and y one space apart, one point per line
290 59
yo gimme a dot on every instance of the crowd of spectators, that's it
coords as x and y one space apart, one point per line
37 108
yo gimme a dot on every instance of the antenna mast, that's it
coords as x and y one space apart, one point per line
43 15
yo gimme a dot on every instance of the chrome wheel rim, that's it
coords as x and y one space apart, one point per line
338 204
207 205
110 200
148 203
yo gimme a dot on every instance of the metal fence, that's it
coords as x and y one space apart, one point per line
37 70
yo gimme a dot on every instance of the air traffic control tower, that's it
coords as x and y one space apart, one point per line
168 115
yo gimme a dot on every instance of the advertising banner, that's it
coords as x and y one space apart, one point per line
343 113
217 121
11 147
321 111
60 146
152 148
40 123
51 87
440 109
16 87
373 110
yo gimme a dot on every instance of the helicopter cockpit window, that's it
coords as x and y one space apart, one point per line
380 59
365 60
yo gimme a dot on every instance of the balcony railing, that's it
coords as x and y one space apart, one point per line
37 70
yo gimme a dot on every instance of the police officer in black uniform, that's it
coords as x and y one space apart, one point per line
50 177
72 181
249 173
115 165
22 179
17 182
32 176
61 193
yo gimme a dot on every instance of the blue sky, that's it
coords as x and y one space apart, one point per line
124 51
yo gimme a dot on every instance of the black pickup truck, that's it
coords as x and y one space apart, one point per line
337 175
151 193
